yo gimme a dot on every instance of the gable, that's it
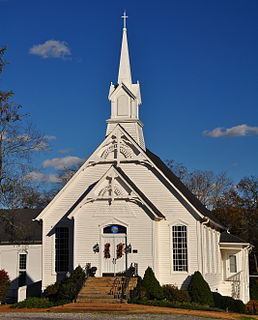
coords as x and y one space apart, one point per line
118 149
117 146
115 185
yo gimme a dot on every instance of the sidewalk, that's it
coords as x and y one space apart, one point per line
124 308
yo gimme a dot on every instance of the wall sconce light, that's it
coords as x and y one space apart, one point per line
95 248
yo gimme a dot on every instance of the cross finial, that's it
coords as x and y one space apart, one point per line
124 17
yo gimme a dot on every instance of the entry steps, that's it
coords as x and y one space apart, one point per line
106 290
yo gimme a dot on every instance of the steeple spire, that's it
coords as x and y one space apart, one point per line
125 97
124 74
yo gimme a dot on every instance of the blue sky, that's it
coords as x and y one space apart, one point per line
197 63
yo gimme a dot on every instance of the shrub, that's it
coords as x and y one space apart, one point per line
151 285
199 290
253 289
175 304
172 293
34 303
51 291
228 303
68 289
4 285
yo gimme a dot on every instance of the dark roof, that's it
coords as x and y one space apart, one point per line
182 188
141 194
228 237
16 226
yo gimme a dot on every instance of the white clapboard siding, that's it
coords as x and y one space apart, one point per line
175 213
92 217
9 261
60 208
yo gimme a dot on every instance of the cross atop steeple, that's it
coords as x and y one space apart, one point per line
124 17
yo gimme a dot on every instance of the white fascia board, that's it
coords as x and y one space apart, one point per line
233 244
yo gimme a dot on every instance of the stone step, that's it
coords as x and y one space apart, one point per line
105 290
103 278
90 300
103 283
97 296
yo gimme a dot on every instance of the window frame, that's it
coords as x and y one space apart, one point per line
62 254
175 253
22 271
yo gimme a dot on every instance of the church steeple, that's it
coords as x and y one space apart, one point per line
124 74
125 97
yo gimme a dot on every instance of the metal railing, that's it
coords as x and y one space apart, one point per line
235 280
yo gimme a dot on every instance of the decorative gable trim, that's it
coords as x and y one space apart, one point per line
116 185
94 159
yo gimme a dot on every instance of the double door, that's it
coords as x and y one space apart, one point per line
113 254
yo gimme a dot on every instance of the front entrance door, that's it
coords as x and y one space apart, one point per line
113 250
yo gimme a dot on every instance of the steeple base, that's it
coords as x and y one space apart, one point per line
133 127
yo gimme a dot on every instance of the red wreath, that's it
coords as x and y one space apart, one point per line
107 251
119 250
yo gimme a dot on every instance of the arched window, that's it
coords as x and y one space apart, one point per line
114 229
179 242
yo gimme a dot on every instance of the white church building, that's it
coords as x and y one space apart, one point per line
125 207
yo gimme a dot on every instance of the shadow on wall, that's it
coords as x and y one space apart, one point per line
186 283
33 288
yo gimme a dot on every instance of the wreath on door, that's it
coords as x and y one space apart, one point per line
119 250
107 250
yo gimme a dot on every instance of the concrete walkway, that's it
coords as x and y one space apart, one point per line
116 311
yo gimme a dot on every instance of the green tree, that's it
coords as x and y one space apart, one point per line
152 285
199 290
238 209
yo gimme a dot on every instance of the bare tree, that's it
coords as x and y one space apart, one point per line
207 186
18 140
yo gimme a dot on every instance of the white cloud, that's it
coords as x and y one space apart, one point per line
51 49
62 151
63 163
237 131
49 137
42 145
38 176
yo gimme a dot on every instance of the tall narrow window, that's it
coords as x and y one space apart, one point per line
179 236
22 269
232 263
62 249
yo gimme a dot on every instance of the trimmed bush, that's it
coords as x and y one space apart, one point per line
33 303
151 285
172 293
51 291
68 289
253 289
4 285
199 290
175 304
228 303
